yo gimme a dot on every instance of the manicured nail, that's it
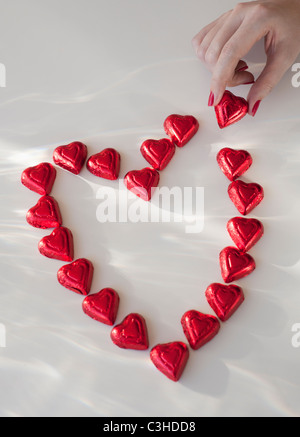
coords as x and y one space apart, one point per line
211 99
248 83
245 67
255 107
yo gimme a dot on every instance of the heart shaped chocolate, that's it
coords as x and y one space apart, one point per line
58 245
170 358
245 196
39 178
224 299
102 306
142 182
245 232
158 152
181 128
230 109
105 164
77 276
71 157
131 333
233 163
45 214
199 328
235 264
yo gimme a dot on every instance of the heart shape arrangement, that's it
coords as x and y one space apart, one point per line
230 109
132 333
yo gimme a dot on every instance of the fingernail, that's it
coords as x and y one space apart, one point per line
248 83
245 67
255 107
211 99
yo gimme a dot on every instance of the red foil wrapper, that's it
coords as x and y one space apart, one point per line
170 358
102 306
58 245
142 182
199 328
71 157
45 214
245 232
224 299
39 178
158 152
245 196
230 109
181 128
105 164
235 264
233 163
131 333
77 276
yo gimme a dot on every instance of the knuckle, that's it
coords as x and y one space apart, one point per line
229 50
239 7
260 10
200 52
211 56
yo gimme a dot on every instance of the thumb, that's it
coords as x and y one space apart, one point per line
276 66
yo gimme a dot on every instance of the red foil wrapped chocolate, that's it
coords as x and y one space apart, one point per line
39 178
102 306
245 196
181 128
58 245
233 163
142 182
224 299
158 152
170 358
77 276
131 333
71 157
105 164
199 328
230 109
245 232
235 264
45 214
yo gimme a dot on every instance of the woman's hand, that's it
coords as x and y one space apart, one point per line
223 43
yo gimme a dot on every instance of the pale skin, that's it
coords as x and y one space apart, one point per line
222 45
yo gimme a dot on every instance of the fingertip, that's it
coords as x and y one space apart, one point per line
254 99
217 89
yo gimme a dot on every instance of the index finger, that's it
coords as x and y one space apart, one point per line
235 49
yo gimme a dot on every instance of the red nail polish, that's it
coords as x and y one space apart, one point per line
245 67
248 83
211 99
255 107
